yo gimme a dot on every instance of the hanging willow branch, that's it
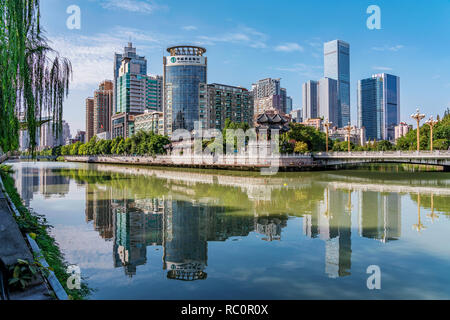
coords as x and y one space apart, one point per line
34 79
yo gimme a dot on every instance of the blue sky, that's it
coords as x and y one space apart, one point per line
249 40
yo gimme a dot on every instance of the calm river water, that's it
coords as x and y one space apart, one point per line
148 233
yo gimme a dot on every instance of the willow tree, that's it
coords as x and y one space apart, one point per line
34 79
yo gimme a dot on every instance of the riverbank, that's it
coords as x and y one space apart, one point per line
28 238
273 164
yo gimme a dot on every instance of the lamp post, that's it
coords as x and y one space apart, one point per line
327 124
349 130
419 226
418 116
431 123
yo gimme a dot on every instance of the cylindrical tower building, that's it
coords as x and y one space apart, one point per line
185 88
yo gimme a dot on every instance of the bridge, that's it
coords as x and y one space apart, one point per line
437 158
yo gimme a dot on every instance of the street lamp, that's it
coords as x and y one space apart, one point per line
349 130
431 123
418 116
419 226
327 124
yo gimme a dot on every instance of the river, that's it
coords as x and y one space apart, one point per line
158 233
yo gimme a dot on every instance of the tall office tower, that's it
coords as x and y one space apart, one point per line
89 118
129 52
136 93
310 100
379 106
328 100
228 102
288 105
103 102
379 215
185 88
337 66
283 99
267 95
65 135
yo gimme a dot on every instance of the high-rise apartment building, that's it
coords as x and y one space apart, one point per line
310 100
129 52
228 102
135 93
89 118
379 106
103 103
328 100
267 94
185 88
337 66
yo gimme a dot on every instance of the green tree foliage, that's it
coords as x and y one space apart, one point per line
441 136
142 143
34 80
300 147
314 139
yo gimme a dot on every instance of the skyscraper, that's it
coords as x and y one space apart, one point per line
379 106
103 102
135 93
288 104
328 100
129 52
89 118
283 98
337 66
310 100
185 88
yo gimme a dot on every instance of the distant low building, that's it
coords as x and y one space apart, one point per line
106 135
150 121
314 122
80 136
296 115
402 129
357 135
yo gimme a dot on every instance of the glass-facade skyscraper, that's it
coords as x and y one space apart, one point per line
185 88
337 66
379 106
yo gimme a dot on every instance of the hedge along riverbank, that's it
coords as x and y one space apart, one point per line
33 223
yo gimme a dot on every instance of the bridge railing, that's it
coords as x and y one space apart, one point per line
383 153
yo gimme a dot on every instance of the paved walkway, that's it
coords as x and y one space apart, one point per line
13 247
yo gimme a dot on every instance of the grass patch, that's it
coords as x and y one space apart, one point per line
34 223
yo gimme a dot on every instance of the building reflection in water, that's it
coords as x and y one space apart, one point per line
183 228
379 218
48 182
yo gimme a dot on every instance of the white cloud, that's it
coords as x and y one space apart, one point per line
92 56
389 48
144 6
382 68
289 47
310 71
189 28
244 35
